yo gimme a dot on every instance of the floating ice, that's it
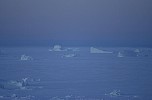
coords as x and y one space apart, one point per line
137 50
24 57
69 55
127 53
95 50
12 85
56 48
56 98
115 93
72 49
21 84
71 97
17 97
120 54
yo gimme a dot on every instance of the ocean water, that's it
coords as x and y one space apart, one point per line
74 74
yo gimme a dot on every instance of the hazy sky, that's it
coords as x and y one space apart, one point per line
101 22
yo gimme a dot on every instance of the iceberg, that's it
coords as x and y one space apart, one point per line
127 53
56 48
72 49
22 84
24 57
120 54
95 50
12 85
69 55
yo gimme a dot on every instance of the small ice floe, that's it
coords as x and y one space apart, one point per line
57 48
23 84
24 57
71 97
137 50
17 97
120 54
29 97
12 85
72 49
56 98
69 55
95 50
114 93
8 96
127 53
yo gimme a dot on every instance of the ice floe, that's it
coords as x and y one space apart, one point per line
137 52
24 57
69 55
118 94
72 49
95 50
115 93
60 48
23 84
17 97
72 97
57 48
12 85
120 54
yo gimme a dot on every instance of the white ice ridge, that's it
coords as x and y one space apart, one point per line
95 50
24 57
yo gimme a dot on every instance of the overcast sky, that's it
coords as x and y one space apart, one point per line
76 22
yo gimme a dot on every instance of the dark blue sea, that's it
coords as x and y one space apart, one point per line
74 73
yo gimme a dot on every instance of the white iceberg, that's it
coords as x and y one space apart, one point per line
56 48
72 49
114 93
12 85
128 53
120 54
95 50
137 50
69 55
24 57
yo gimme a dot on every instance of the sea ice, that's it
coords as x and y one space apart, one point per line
72 49
69 55
95 50
13 84
24 57
120 54
56 48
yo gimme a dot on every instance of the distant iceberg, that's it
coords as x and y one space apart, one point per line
24 57
72 49
128 53
18 84
69 55
120 54
12 85
95 50
56 48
